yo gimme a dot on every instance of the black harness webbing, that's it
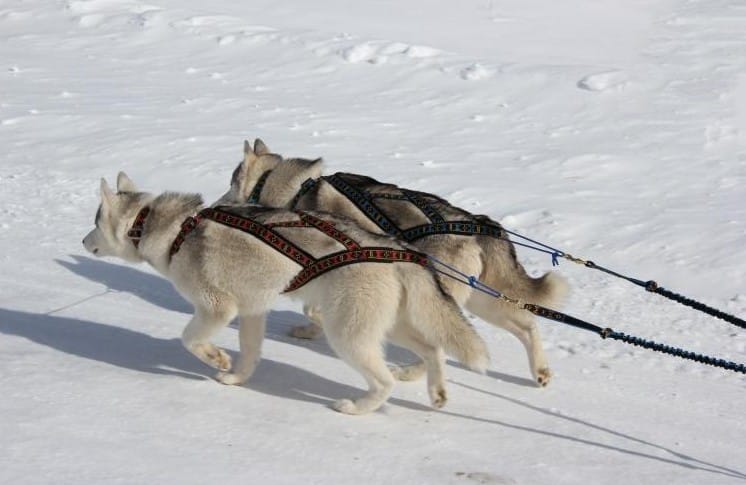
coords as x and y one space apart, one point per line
449 271
366 202
305 187
312 267
352 187
257 190
461 228
423 205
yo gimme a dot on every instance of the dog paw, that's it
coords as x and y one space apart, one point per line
438 397
229 378
309 332
219 358
345 406
543 376
410 372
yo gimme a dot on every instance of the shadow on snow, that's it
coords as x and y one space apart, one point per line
158 291
140 352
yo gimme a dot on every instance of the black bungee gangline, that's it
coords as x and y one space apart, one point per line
603 332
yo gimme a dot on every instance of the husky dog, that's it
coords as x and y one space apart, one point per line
266 178
225 272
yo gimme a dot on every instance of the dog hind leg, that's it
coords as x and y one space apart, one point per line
528 333
519 323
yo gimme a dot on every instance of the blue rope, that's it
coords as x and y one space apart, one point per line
650 285
554 252
470 280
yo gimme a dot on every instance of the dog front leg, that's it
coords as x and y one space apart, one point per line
196 336
250 335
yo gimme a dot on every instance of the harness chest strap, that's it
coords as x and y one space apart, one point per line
312 267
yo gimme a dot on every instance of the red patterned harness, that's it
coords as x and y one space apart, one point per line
312 267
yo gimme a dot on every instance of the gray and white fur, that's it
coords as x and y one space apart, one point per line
493 260
226 273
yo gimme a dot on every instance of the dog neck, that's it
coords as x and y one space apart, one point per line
161 224
287 178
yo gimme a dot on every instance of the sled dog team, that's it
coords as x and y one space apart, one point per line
353 250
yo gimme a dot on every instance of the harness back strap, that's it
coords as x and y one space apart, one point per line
366 203
362 255
363 202
312 267
328 228
461 228
424 206
265 234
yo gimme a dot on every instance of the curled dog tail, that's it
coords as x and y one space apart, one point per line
550 289
439 319
502 271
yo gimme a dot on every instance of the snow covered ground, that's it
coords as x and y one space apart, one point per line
613 129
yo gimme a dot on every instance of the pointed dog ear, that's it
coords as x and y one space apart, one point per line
310 168
125 184
107 195
260 148
300 169
249 157
316 166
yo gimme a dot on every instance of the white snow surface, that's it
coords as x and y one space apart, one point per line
612 129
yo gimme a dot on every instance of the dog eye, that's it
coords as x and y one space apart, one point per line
98 216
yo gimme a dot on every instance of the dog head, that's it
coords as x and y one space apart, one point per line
279 186
114 218
256 162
